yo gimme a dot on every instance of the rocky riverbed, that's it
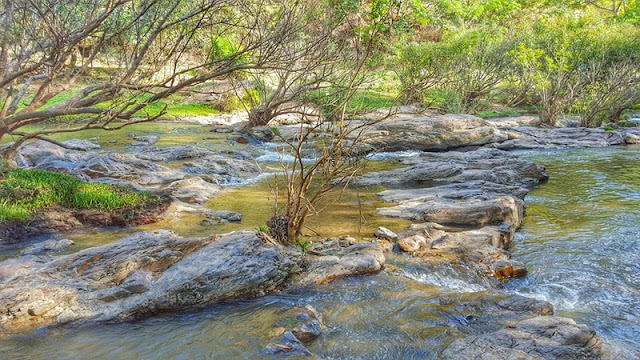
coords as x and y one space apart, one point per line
466 202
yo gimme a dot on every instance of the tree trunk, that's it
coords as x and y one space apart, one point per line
260 116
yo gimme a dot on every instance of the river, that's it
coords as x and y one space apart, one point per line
580 241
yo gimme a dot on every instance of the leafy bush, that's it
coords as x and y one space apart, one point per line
466 67
581 64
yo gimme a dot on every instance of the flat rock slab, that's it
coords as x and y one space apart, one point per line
151 272
89 165
539 338
537 138
489 165
465 205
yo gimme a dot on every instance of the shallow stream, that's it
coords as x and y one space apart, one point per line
580 241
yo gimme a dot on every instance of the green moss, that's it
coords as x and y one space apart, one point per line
24 192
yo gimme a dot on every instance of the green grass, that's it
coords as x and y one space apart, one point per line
175 106
24 192
361 102
370 100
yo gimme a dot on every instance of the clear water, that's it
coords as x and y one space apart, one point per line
404 314
581 241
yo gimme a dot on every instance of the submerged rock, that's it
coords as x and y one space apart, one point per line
542 337
301 325
48 246
221 217
288 345
150 272
143 140
307 323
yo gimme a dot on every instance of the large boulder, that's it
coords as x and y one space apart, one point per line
429 133
194 190
151 272
489 165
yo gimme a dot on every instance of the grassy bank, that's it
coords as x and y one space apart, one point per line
25 192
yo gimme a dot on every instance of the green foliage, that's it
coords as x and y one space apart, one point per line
609 128
304 245
582 64
464 68
275 131
24 192
477 12
262 229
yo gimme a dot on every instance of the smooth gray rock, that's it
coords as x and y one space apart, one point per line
158 271
194 190
221 217
82 144
385 234
143 140
429 133
48 246
172 153
542 337
489 165
538 138
89 165
467 209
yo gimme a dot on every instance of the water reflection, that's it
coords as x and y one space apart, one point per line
581 240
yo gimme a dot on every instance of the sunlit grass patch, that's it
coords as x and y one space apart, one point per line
23 192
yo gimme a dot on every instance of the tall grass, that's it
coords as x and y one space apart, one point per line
24 192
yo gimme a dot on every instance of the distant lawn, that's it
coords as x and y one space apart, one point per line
25 192
361 102
176 109
175 106
371 100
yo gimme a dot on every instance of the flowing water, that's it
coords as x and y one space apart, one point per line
580 241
